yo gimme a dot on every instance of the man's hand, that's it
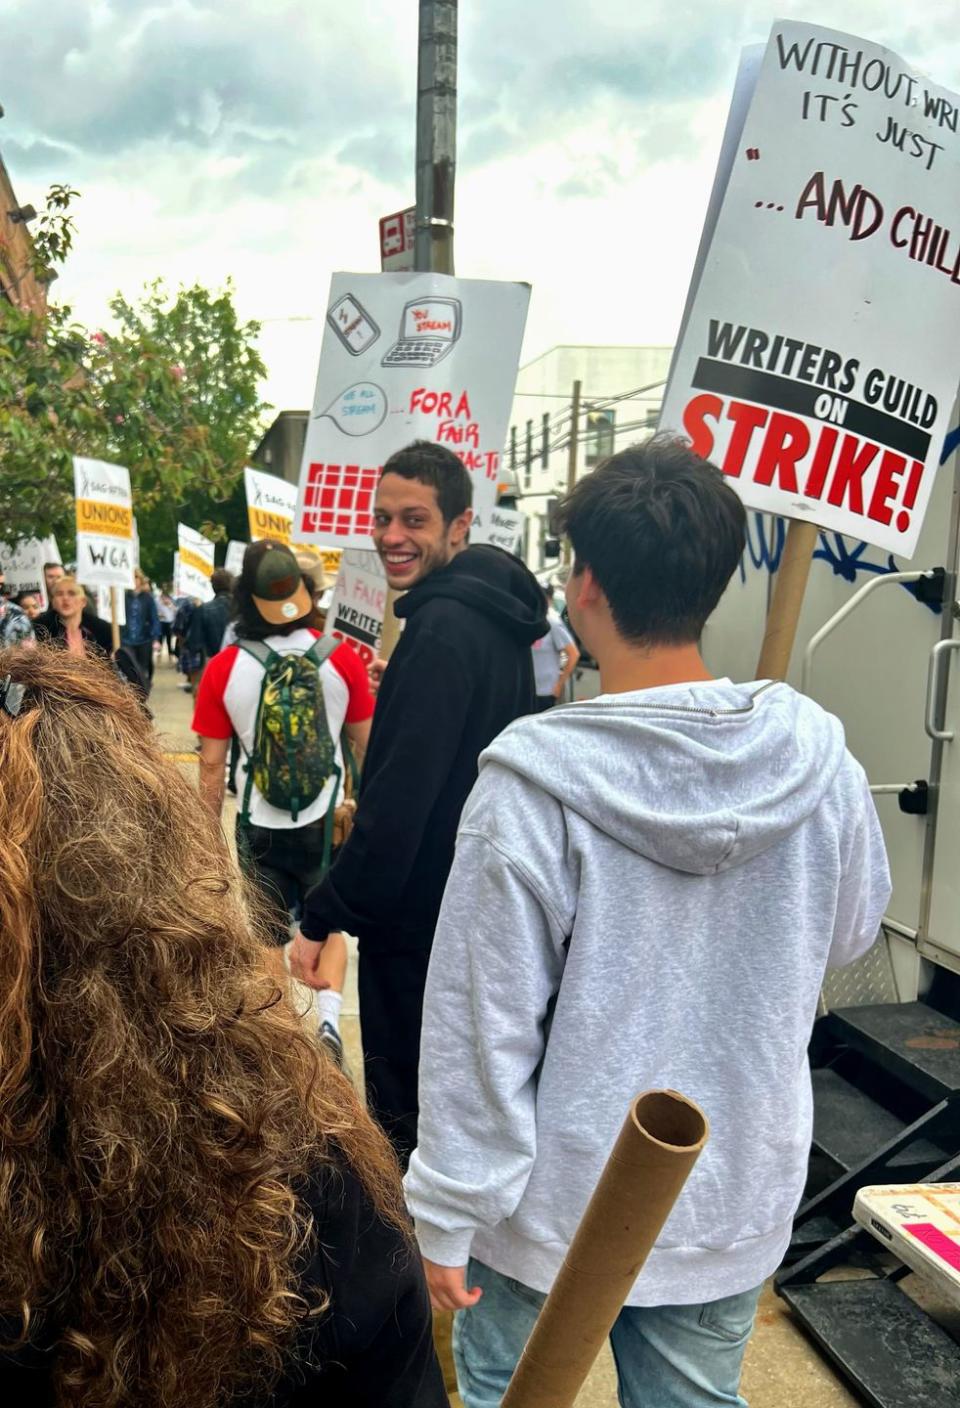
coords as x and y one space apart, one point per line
448 1287
305 958
375 673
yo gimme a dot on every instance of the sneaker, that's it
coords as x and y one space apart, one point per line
331 1039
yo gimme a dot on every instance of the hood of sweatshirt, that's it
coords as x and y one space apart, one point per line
697 777
491 581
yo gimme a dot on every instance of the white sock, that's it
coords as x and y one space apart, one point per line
327 1006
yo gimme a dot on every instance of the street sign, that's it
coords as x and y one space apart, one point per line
397 235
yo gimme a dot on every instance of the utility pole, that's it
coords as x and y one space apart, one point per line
436 135
572 454
436 172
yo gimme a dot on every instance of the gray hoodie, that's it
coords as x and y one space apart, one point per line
647 890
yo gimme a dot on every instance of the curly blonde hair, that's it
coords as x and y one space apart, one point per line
161 1107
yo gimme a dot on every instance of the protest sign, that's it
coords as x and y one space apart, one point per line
234 559
501 527
104 523
195 563
23 565
359 600
271 504
406 357
818 364
111 604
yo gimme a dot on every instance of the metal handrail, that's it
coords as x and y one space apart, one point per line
942 647
815 641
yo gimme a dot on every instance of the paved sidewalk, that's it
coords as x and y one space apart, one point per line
783 1369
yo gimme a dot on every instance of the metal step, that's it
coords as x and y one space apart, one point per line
849 1126
910 1040
893 1353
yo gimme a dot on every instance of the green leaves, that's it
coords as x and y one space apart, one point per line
171 391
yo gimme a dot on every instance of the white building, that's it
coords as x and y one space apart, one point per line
621 390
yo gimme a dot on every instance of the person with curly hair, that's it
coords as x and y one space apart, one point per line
195 1211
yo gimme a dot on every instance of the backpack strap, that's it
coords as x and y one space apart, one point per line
264 657
259 649
322 649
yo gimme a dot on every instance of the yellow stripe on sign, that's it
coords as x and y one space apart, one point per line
194 560
111 520
264 524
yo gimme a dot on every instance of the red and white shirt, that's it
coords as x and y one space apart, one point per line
229 696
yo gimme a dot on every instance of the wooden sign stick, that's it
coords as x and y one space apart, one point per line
784 613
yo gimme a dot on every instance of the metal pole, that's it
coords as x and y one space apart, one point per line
572 454
436 135
436 171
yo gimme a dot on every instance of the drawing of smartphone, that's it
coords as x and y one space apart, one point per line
353 325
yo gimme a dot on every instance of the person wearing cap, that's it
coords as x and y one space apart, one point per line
282 854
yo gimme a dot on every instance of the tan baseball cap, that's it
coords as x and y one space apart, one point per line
273 578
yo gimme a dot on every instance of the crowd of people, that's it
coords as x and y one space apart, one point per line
556 906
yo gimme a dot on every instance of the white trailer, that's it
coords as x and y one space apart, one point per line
879 652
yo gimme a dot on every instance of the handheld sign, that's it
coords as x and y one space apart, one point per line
233 561
195 564
271 504
819 361
105 546
358 604
406 357
23 565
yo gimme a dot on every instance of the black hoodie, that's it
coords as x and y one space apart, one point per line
461 672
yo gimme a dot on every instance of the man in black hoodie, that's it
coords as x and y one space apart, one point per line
461 672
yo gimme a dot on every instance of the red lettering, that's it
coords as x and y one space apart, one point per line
443 405
887 486
822 459
695 415
746 419
416 397
786 441
854 460
463 406
363 650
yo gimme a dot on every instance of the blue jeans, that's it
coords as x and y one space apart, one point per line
667 1356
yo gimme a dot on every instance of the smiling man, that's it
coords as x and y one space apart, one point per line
460 673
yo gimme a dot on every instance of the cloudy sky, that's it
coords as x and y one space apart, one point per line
263 139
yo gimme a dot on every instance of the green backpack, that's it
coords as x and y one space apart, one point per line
293 755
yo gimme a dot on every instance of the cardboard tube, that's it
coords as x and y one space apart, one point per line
657 1147
784 613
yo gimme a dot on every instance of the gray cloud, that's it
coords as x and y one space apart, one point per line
280 83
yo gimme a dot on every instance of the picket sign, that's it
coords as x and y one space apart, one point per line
194 563
406 357
500 527
23 565
818 361
271 504
357 607
105 546
234 558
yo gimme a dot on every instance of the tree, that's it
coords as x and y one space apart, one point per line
171 391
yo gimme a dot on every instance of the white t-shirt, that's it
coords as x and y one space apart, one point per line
229 696
546 654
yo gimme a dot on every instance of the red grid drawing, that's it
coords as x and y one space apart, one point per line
338 500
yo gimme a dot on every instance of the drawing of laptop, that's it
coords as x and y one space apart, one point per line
428 329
